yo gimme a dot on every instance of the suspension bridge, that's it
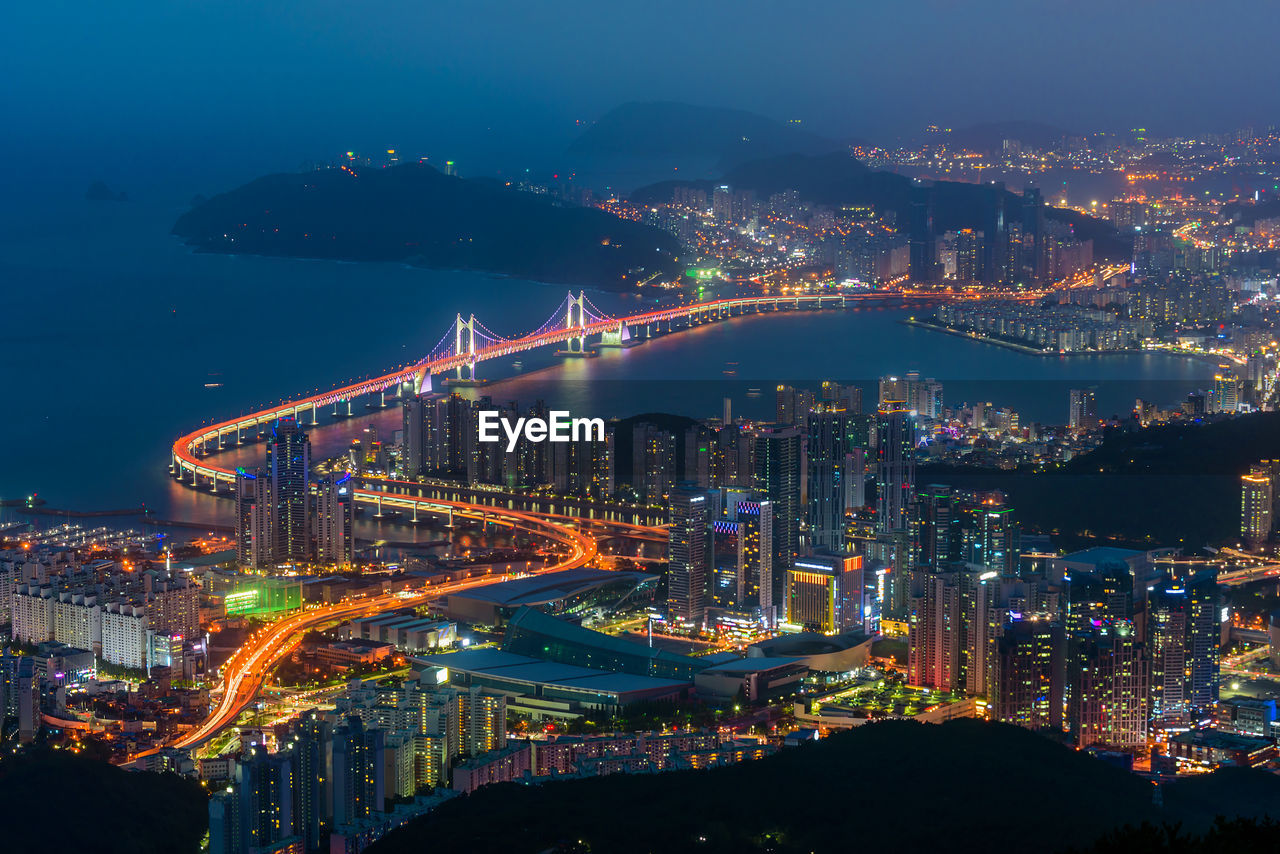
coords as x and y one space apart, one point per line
467 343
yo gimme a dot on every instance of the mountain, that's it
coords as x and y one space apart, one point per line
116 811
415 214
669 128
960 787
839 179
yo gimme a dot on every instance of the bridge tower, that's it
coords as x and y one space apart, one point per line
576 318
466 344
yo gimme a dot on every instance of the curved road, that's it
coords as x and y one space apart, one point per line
247 670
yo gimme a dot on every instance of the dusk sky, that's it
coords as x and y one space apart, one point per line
259 80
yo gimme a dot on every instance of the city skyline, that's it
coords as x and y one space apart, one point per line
509 427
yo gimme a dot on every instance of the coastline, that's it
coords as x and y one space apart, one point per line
1012 345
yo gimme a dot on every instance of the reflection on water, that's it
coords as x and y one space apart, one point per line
129 340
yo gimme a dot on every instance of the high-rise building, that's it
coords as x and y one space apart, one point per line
1258 497
995 243
830 450
358 783
173 605
896 467
969 244
988 532
777 476
482 718
414 416
334 519
935 533
956 615
856 479
921 246
722 204
934 638
1225 394
653 461
256 813
583 468
1083 412
288 473
1183 633
1028 689
893 393
1109 695
791 405
688 553
313 779
1034 259
826 593
255 539
847 396
927 399
755 555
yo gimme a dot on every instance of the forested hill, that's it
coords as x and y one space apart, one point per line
417 215
960 787
839 179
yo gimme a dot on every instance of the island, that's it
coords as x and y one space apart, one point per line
417 215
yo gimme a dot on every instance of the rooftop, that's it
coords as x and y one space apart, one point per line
751 665
549 587
522 668
1216 738
1101 554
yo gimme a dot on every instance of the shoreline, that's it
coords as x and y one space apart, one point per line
1021 348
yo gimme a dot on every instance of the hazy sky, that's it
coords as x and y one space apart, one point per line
229 80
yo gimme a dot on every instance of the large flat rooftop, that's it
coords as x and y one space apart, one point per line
512 668
540 589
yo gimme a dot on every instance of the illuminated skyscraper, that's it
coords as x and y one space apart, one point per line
935 534
1034 260
826 593
335 516
357 771
1109 692
1028 688
1258 494
255 535
777 476
847 396
995 235
1183 634
755 555
922 261
791 405
989 534
893 393
313 783
830 448
934 639
687 550
288 468
1083 413
1225 394
256 812
896 468
653 461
